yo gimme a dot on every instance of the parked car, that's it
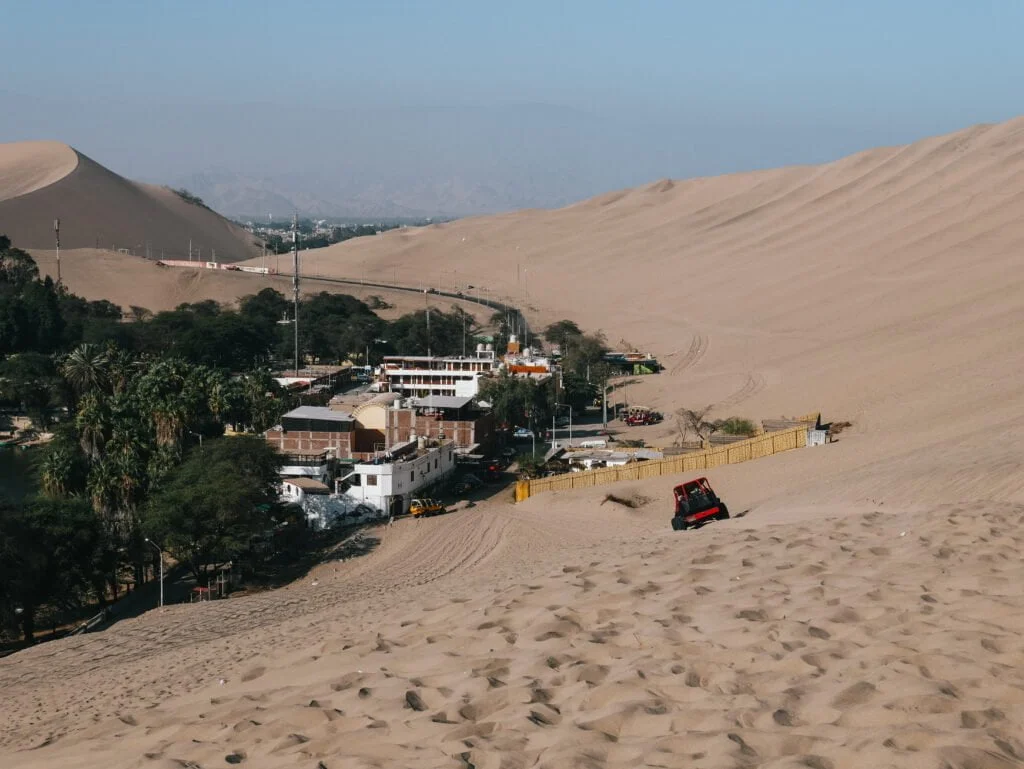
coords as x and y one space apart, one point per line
522 434
563 422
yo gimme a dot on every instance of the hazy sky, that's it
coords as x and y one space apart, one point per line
154 88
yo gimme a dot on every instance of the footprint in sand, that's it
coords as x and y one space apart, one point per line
858 694
253 673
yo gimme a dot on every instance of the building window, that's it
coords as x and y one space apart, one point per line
371 480
435 463
412 476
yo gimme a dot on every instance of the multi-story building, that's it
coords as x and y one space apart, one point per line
309 437
457 419
390 482
423 375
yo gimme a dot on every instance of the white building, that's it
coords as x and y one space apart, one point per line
422 375
390 483
324 510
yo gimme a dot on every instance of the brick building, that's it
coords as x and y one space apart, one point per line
456 419
312 430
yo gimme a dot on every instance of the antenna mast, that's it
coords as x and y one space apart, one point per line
295 285
56 230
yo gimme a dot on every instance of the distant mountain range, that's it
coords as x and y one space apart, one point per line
247 196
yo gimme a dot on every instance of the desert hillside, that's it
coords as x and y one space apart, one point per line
861 610
884 288
129 280
43 181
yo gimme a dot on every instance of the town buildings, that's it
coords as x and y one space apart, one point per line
422 375
390 482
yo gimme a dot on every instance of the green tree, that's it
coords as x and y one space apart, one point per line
86 368
560 332
31 382
516 401
51 554
212 504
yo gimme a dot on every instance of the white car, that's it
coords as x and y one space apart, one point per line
523 433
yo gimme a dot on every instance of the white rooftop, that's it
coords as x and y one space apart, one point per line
319 412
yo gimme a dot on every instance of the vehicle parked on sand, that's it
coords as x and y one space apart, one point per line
424 507
466 484
696 504
642 416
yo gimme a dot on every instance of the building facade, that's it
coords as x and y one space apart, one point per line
445 417
391 483
423 375
312 431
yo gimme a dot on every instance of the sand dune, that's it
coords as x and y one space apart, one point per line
861 611
884 288
28 166
42 181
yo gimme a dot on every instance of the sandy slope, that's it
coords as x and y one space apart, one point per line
130 280
28 166
863 611
41 181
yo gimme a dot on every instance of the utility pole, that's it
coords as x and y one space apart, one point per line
190 249
295 285
604 405
426 304
56 230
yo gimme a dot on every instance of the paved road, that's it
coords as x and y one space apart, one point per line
483 301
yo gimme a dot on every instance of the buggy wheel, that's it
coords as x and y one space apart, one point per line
679 523
724 514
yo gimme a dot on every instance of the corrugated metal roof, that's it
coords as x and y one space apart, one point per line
319 412
441 402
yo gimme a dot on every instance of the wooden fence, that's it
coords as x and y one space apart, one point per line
752 448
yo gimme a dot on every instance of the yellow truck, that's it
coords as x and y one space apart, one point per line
424 507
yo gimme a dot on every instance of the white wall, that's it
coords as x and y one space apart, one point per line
404 478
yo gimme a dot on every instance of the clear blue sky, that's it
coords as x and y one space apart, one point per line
799 57
840 75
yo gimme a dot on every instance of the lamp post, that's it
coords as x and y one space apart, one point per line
200 437
554 414
159 550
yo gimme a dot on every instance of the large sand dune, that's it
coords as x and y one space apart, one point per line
862 611
43 181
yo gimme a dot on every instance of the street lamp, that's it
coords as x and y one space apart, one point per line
159 550
554 413
200 437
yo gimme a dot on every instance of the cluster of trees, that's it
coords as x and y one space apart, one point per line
333 327
137 450
36 315
522 402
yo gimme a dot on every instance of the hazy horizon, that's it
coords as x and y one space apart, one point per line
400 110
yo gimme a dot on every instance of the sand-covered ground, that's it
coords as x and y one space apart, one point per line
131 280
862 611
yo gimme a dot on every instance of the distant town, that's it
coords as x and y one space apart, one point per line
319 233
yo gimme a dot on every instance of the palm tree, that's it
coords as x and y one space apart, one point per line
86 368
93 423
57 471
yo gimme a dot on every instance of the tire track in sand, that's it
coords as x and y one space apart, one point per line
697 350
755 383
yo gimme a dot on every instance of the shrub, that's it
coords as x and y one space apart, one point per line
737 426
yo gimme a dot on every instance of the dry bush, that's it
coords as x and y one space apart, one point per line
631 499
